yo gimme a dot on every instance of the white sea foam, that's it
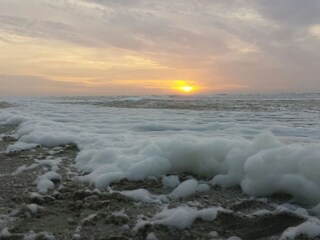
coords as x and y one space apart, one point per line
170 181
46 181
263 151
309 229
34 208
143 195
185 189
181 217
20 146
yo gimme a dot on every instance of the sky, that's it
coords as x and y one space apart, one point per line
147 47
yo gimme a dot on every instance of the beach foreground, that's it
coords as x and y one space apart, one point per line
128 210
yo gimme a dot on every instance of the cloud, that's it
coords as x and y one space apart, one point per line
237 41
15 85
315 30
292 13
19 85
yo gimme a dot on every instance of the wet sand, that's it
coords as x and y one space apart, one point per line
75 210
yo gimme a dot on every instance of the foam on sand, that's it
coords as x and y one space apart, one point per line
262 167
185 189
180 217
310 229
170 181
143 195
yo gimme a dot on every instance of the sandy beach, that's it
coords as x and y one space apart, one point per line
74 210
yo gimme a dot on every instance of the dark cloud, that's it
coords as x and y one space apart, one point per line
294 13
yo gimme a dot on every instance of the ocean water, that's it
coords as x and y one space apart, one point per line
263 143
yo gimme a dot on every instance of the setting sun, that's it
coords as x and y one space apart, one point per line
186 88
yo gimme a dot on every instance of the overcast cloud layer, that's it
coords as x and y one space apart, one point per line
96 47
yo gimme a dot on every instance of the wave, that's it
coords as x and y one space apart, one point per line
112 148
